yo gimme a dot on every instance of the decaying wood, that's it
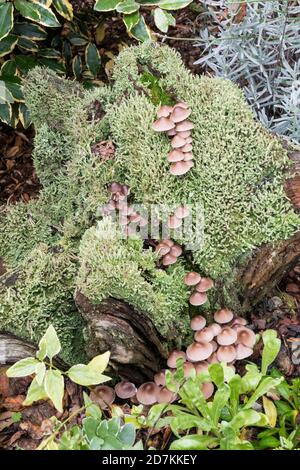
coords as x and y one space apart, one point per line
137 349
12 349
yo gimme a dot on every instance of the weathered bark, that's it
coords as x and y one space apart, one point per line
12 349
137 348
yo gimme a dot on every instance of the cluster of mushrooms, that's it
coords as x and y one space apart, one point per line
226 340
200 286
173 121
129 218
169 251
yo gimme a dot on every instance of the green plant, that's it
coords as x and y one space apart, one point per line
224 422
48 381
134 20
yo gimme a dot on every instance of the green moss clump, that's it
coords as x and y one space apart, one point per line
114 267
40 292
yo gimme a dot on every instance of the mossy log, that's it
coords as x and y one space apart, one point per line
112 293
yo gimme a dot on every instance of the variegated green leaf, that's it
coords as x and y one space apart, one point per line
30 31
127 7
106 5
6 19
9 68
64 8
131 20
27 44
77 66
8 44
92 59
141 31
24 115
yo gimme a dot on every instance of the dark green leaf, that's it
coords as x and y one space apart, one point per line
16 90
30 31
131 20
27 44
27 9
57 66
92 59
49 53
25 63
77 66
140 31
6 113
64 8
6 19
9 69
8 44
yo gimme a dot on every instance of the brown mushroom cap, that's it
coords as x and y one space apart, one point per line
205 284
160 378
198 298
239 321
216 328
167 242
226 353
174 222
192 278
164 111
243 351
214 345
188 140
188 156
171 132
223 316
201 367
181 212
188 368
168 259
198 351
163 124
179 114
181 104
184 134
103 396
246 336
125 389
204 335
162 249
213 359
207 389
177 142
176 250
172 359
175 156
165 396
184 126
187 148
198 322
147 393
180 168
227 336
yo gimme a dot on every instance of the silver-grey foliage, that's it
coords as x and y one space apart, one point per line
262 55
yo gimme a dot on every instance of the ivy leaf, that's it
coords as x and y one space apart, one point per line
83 375
106 5
163 19
35 392
49 345
6 19
23 367
92 58
54 387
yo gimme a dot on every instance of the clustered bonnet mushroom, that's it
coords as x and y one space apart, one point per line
173 121
169 251
200 286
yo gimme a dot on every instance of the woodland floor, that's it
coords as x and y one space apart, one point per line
18 182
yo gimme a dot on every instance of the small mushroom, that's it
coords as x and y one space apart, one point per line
239 321
181 212
246 336
160 378
189 140
192 278
201 367
213 359
180 168
171 132
181 104
103 395
176 250
243 351
168 260
172 359
227 336
179 114
223 316
199 351
198 298
125 389
174 222
135 218
204 335
167 242
188 156
163 124
207 389
188 367
147 393
177 142
115 187
226 353
166 396
205 284
164 111
198 322
187 148
214 345
216 328
175 156
184 126
162 249
184 134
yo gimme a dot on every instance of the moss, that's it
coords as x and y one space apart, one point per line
114 267
40 292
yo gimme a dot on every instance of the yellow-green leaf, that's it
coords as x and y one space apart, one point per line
64 8
35 392
23 367
270 411
99 363
54 387
83 375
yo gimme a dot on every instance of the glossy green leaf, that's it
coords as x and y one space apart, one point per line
30 31
77 39
8 69
99 363
131 20
64 8
92 59
127 7
141 31
47 17
50 343
271 349
193 442
8 44
163 20
15 89
27 44
23 367
35 392
6 19
183 421
49 53
6 113
217 374
54 387
77 66
83 375
55 65
235 390
106 5
27 9
25 63
174 4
